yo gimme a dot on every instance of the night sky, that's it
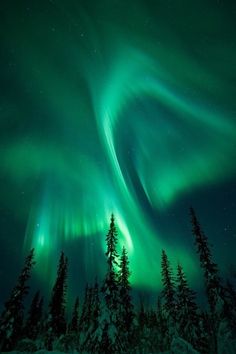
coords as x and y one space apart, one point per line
116 106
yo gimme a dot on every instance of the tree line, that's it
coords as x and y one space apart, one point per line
107 320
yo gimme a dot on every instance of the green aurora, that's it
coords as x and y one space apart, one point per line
116 107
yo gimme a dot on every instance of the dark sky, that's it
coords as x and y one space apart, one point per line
116 106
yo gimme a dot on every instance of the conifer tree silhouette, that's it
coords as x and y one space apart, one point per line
168 294
162 326
11 321
74 325
214 288
110 340
229 308
56 324
33 323
168 287
96 305
210 269
91 343
142 315
188 317
126 308
86 311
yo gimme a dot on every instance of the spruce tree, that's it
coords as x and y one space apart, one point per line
142 315
188 319
84 308
126 312
11 321
214 289
74 325
56 325
153 340
168 292
86 311
210 269
112 256
33 323
96 306
162 328
86 318
109 339
229 310
147 336
91 344
142 330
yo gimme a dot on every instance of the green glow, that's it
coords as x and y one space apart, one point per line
115 107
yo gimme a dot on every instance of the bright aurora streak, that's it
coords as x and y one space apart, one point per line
115 109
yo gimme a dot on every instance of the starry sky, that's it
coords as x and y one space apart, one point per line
115 106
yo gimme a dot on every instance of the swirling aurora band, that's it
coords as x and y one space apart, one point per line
116 121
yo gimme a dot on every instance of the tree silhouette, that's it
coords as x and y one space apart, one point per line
168 294
210 269
91 344
110 340
33 323
229 310
162 327
214 288
11 321
86 314
188 319
168 287
56 325
126 307
74 325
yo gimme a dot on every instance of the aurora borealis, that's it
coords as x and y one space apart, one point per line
119 107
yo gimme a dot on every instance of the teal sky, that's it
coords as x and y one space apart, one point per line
123 107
